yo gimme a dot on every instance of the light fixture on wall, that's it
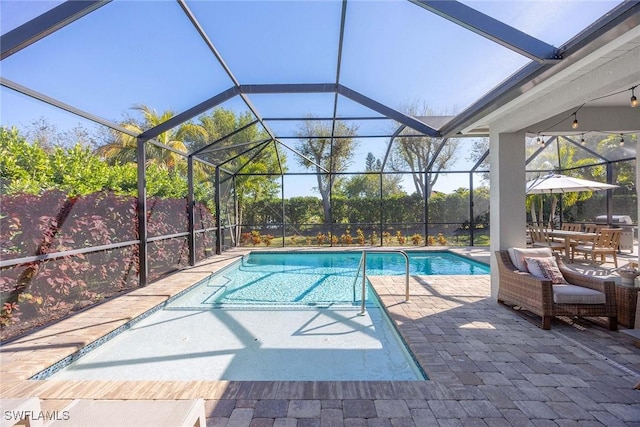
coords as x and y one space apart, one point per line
634 100
574 125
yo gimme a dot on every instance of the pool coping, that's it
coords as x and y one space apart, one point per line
161 292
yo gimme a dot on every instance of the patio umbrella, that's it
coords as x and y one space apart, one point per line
555 183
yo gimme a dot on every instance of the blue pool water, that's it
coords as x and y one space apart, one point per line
323 279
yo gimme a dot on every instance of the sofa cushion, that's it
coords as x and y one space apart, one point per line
545 268
517 256
572 294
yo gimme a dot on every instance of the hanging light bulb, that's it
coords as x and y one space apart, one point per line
541 140
582 141
634 100
574 125
621 140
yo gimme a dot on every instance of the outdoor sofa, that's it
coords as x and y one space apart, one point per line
575 294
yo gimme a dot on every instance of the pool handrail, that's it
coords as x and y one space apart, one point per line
355 279
363 264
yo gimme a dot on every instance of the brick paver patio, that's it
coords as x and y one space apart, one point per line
487 366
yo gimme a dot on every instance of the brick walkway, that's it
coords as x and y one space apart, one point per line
487 366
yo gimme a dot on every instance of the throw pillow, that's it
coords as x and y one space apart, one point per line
518 255
545 269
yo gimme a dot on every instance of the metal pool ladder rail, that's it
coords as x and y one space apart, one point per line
363 266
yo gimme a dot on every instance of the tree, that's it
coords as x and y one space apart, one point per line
24 167
48 136
323 153
368 184
123 147
479 148
250 163
28 168
416 152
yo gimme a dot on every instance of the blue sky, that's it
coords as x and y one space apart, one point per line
131 52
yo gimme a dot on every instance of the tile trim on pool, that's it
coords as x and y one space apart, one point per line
46 373
405 344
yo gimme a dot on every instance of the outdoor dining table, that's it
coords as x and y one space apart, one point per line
568 236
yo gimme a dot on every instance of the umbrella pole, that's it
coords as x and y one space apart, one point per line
561 205
552 211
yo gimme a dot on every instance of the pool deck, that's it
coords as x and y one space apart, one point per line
487 365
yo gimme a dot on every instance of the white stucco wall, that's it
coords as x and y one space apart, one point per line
507 183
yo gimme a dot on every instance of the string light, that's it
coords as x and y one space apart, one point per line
582 141
574 125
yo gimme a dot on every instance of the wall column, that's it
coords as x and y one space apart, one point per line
507 185
638 190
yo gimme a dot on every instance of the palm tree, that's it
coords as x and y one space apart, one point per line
122 148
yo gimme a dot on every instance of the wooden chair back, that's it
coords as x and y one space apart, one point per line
538 234
594 228
608 238
590 228
571 227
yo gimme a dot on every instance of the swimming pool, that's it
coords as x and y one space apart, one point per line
271 316
321 279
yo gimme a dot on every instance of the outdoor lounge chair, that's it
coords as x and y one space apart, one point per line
581 295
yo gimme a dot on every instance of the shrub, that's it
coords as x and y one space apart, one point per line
37 292
441 239
256 239
334 239
416 239
400 238
245 238
346 238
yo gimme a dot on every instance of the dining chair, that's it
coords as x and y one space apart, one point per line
605 243
540 239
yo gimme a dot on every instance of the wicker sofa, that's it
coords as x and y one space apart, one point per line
522 289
